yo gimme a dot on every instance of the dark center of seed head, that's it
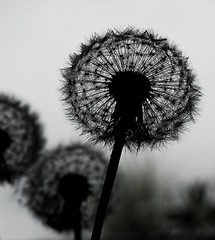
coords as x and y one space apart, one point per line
74 187
5 140
129 87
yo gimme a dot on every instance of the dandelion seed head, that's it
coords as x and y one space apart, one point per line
25 135
132 76
73 173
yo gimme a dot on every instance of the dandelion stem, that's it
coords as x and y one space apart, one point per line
77 224
72 213
109 181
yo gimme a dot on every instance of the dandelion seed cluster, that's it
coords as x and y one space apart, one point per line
130 77
41 187
25 132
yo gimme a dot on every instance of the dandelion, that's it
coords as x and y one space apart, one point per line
129 88
194 217
64 186
21 138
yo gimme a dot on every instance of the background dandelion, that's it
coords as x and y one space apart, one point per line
65 173
130 88
25 132
193 217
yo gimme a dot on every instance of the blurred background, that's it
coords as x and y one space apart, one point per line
36 38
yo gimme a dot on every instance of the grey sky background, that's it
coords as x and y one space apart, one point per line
36 38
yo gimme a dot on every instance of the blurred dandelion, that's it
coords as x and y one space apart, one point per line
64 186
129 88
194 217
21 137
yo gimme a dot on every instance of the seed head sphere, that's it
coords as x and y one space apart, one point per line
25 133
132 78
73 172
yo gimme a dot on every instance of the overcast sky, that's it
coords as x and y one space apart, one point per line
36 38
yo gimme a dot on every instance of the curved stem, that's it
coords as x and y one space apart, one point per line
109 181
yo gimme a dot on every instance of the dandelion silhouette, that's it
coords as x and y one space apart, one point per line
129 88
21 138
64 186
